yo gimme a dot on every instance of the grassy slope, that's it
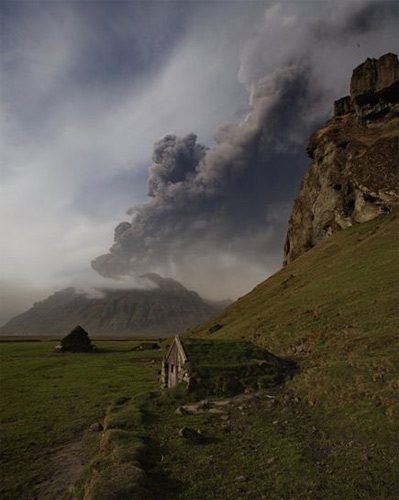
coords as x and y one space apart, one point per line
334 310
48 402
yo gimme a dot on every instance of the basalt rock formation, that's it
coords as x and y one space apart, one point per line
354 176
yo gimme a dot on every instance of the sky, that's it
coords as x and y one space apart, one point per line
185 121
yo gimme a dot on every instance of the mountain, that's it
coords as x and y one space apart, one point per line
166 308
354 175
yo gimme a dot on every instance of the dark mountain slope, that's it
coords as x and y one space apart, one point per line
165 309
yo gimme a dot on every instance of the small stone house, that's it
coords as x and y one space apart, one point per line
173 365
77 340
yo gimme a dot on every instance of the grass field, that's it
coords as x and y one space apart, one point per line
272 446
48 402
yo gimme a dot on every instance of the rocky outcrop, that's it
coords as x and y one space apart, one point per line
354 175
375 87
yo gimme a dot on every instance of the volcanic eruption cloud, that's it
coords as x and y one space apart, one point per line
218 215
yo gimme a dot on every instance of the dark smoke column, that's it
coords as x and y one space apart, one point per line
138 244
215 203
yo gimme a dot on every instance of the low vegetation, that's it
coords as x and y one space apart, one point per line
49 401
226 367
270 446
116 470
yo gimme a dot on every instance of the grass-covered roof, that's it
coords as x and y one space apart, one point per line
204 352
227 366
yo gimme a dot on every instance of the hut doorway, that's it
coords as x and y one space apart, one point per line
173 374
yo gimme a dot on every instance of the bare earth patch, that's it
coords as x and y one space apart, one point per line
69 464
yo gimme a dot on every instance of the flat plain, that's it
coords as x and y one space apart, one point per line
48 403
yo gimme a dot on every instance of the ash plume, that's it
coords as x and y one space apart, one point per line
214 198
218 215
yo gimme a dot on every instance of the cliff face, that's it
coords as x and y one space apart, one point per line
354 175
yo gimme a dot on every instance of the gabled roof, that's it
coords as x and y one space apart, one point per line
180 348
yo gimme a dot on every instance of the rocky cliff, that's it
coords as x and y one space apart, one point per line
354 175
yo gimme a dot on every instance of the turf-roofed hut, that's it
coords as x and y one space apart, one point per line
77 340
174 369
221 366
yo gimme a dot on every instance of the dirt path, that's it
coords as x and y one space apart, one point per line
68 464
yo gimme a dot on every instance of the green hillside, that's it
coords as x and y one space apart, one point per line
330 432
335 311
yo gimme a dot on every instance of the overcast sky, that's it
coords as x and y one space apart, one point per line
88 87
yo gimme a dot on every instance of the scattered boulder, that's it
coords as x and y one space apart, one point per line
191 435
146 346
204 404
77 340
214 328
240 478
194 408
96 427
181 410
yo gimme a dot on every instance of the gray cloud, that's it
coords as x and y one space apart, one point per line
372 16
229 204
219 200
87 88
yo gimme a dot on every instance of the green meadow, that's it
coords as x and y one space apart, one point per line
272 444
49 401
